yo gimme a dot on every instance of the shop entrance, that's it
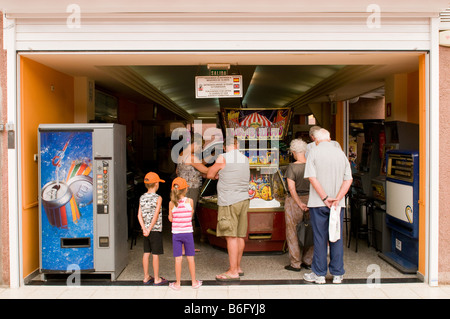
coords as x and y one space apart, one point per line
339 91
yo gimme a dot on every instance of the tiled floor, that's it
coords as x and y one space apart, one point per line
291 291
211 261
265 278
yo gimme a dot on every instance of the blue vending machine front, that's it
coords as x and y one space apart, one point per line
82 202
402 208
66 200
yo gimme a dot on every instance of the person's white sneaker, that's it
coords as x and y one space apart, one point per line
337 279
312 277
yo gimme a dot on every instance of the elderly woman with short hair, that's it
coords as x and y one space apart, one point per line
295 207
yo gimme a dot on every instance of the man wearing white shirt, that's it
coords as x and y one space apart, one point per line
330 177
311 145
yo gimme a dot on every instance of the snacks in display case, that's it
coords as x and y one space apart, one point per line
266 190
260 132
260 187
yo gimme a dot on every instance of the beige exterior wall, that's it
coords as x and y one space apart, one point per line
4 226
444 167
444 217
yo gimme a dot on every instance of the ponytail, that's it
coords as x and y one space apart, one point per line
176 194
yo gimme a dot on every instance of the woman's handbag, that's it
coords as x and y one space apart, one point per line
305 234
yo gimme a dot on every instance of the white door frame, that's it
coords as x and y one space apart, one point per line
432 140
14 214
432 167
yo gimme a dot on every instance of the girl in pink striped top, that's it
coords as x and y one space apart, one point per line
180 214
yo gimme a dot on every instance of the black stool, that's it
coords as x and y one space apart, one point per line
357 227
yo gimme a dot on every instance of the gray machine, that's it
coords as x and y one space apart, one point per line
83 211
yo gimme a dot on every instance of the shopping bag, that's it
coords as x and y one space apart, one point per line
334 225
305 234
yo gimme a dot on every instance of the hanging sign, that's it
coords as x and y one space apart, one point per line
218 72
264 122
218 86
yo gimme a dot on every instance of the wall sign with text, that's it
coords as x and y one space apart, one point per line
218 86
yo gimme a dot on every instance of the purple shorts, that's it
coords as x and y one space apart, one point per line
184 238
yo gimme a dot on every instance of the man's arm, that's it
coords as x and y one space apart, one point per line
316 185
342 191
214 169
329 201
198 165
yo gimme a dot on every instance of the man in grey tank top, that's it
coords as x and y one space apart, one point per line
233 171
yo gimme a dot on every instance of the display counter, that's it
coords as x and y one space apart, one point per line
266 229
260 133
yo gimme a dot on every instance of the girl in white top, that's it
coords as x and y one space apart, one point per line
180 214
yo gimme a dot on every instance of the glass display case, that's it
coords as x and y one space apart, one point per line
260 133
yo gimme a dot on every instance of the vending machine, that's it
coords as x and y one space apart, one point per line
82 202
402 209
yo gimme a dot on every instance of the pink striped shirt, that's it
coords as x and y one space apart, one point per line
182 217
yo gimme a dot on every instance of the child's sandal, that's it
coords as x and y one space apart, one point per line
174 287
198 285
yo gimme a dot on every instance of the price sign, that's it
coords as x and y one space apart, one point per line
218 86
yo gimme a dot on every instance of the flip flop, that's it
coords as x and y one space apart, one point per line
227 277
162 282
150 281
199 283
172 285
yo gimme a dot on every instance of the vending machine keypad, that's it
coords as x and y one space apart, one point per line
102 187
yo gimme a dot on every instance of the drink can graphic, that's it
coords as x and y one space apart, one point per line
78 168
59 204
82 189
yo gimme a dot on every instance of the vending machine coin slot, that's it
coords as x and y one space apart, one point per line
103 242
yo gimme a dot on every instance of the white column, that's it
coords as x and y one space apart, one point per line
9 43
433 158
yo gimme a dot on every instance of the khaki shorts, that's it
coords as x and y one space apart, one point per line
232 220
